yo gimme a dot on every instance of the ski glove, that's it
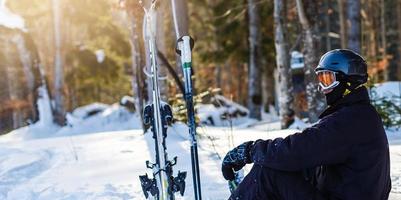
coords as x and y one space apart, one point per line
236 159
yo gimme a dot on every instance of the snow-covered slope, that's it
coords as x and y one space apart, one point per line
95 166
106 165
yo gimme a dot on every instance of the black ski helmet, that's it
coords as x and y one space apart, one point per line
347 63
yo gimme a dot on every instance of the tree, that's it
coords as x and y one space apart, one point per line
326 9
283 64
343 23
13 85
399 37
354 25
58 65
26 51
23 76
255 56
393 38
137 79
308 18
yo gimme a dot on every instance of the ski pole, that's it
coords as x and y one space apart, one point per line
184 48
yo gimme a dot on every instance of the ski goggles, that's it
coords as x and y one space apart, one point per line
327 79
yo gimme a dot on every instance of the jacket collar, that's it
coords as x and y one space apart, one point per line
358 96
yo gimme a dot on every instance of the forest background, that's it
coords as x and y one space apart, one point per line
85 51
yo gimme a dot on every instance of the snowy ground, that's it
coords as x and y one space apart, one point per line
106 165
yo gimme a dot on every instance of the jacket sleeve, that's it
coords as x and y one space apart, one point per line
324 143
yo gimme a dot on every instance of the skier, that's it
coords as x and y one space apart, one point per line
343 156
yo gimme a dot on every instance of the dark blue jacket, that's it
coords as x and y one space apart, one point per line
347 148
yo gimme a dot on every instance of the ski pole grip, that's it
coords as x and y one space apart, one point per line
182 42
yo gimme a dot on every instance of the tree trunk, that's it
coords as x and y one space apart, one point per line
383 28
370 44
354 25
13 87
327 23
43 106
58 65
267 89
283 65
308 21
393 41
218 76
26 61
343 23
268 84
255 56
399 38
136 78
383 37
161 46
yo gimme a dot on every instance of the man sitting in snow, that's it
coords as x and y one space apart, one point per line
344 156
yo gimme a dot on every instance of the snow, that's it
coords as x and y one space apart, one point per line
387 89
9 19
94 166
99 117
297 60
81 167
127 99
100 55
93 118
84 111
102 151
106 165
298 124
44 106
222 112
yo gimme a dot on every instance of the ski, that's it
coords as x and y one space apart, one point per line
158 116
184 48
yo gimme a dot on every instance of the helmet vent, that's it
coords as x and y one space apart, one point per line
335 63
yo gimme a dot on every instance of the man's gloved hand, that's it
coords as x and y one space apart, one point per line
236 159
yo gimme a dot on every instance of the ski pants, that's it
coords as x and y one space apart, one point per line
269 184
